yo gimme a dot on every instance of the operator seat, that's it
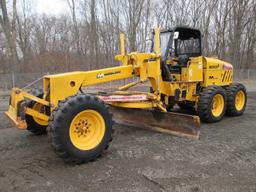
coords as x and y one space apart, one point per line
166 75
182 61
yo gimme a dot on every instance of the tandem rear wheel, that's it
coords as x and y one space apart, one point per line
212 104
236 99
215 101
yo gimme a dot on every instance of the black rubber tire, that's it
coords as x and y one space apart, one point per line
231 91
169 107
59 125
186 105
32 125
205 104
151 90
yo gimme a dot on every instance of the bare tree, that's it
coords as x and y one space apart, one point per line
9 29
132 10
76 32
88 38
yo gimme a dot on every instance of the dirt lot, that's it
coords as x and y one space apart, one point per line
224 159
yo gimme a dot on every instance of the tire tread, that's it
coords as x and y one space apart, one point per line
60 112
204 103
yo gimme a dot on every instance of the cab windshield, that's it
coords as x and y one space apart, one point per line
164 41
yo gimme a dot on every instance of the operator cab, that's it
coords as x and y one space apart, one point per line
177 46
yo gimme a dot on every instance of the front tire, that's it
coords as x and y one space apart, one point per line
212 104
236 99
35 125
80 128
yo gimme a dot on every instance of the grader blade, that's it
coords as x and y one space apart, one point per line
170 123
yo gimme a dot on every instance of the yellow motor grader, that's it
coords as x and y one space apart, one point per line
79 124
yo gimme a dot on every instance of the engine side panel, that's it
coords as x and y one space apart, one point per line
216 72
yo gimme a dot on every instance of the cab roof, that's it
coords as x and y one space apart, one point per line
186 32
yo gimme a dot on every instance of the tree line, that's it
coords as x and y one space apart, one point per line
87 35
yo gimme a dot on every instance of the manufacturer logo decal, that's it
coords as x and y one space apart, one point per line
102 75
214 66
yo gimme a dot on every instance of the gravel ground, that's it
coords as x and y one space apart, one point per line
224 159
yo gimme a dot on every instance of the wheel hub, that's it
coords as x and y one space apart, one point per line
41 109
83 128
217 105
87 129
240 100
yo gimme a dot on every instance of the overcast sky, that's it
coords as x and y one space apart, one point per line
55 7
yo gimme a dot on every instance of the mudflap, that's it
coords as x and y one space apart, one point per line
165 122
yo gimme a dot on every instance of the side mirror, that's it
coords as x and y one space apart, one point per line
176 35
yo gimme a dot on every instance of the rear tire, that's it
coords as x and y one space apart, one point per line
212 104
34 125
236 99
186 105
80 128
